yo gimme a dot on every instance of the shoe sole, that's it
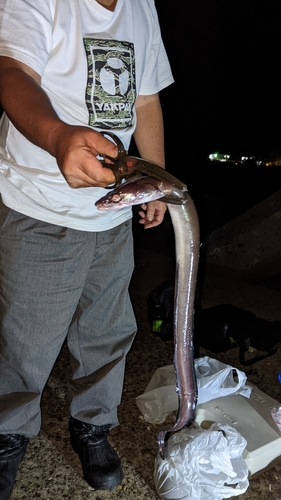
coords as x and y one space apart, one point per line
108 485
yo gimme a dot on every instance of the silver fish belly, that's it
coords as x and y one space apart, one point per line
187 241
135 192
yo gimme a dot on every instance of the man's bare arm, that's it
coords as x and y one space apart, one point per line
149 138
30 110
149 134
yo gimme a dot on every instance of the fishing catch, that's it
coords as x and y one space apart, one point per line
187 242
136 191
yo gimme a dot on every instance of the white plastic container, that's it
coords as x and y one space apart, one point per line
251 417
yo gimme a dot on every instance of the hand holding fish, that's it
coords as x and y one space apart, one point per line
76 149
152 214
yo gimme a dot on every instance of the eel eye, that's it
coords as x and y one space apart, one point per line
116 198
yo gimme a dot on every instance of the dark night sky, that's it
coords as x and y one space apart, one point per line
225 57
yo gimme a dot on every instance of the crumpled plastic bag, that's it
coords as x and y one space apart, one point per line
202 465
276 415
214 380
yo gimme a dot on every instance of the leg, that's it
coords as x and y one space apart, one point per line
103 330
99 338
36 306
40 286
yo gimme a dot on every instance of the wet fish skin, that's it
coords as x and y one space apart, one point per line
187 240
137 191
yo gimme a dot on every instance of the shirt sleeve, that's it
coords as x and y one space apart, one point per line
157 74
26 31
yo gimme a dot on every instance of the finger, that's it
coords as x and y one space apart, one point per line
75 182
98 174
107 147
93 176
150 211
154 223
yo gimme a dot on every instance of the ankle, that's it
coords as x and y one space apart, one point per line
87 434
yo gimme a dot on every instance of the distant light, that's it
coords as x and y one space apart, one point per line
213 156
219 157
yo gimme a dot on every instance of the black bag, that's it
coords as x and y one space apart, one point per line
160 309
225 326
218 328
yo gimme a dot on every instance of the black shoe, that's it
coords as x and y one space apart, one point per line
101 464
12 451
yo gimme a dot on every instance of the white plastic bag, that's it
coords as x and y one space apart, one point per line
214 380
202 465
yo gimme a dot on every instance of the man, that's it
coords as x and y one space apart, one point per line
69 69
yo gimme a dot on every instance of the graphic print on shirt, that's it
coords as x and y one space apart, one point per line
111 85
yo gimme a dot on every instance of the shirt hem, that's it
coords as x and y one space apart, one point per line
70 223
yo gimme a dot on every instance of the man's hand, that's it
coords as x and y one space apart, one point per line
75 149
152 214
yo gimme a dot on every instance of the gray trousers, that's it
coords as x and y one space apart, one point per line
58 283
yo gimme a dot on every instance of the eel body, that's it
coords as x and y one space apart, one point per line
187 241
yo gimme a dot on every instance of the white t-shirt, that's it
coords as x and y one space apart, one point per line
93 64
